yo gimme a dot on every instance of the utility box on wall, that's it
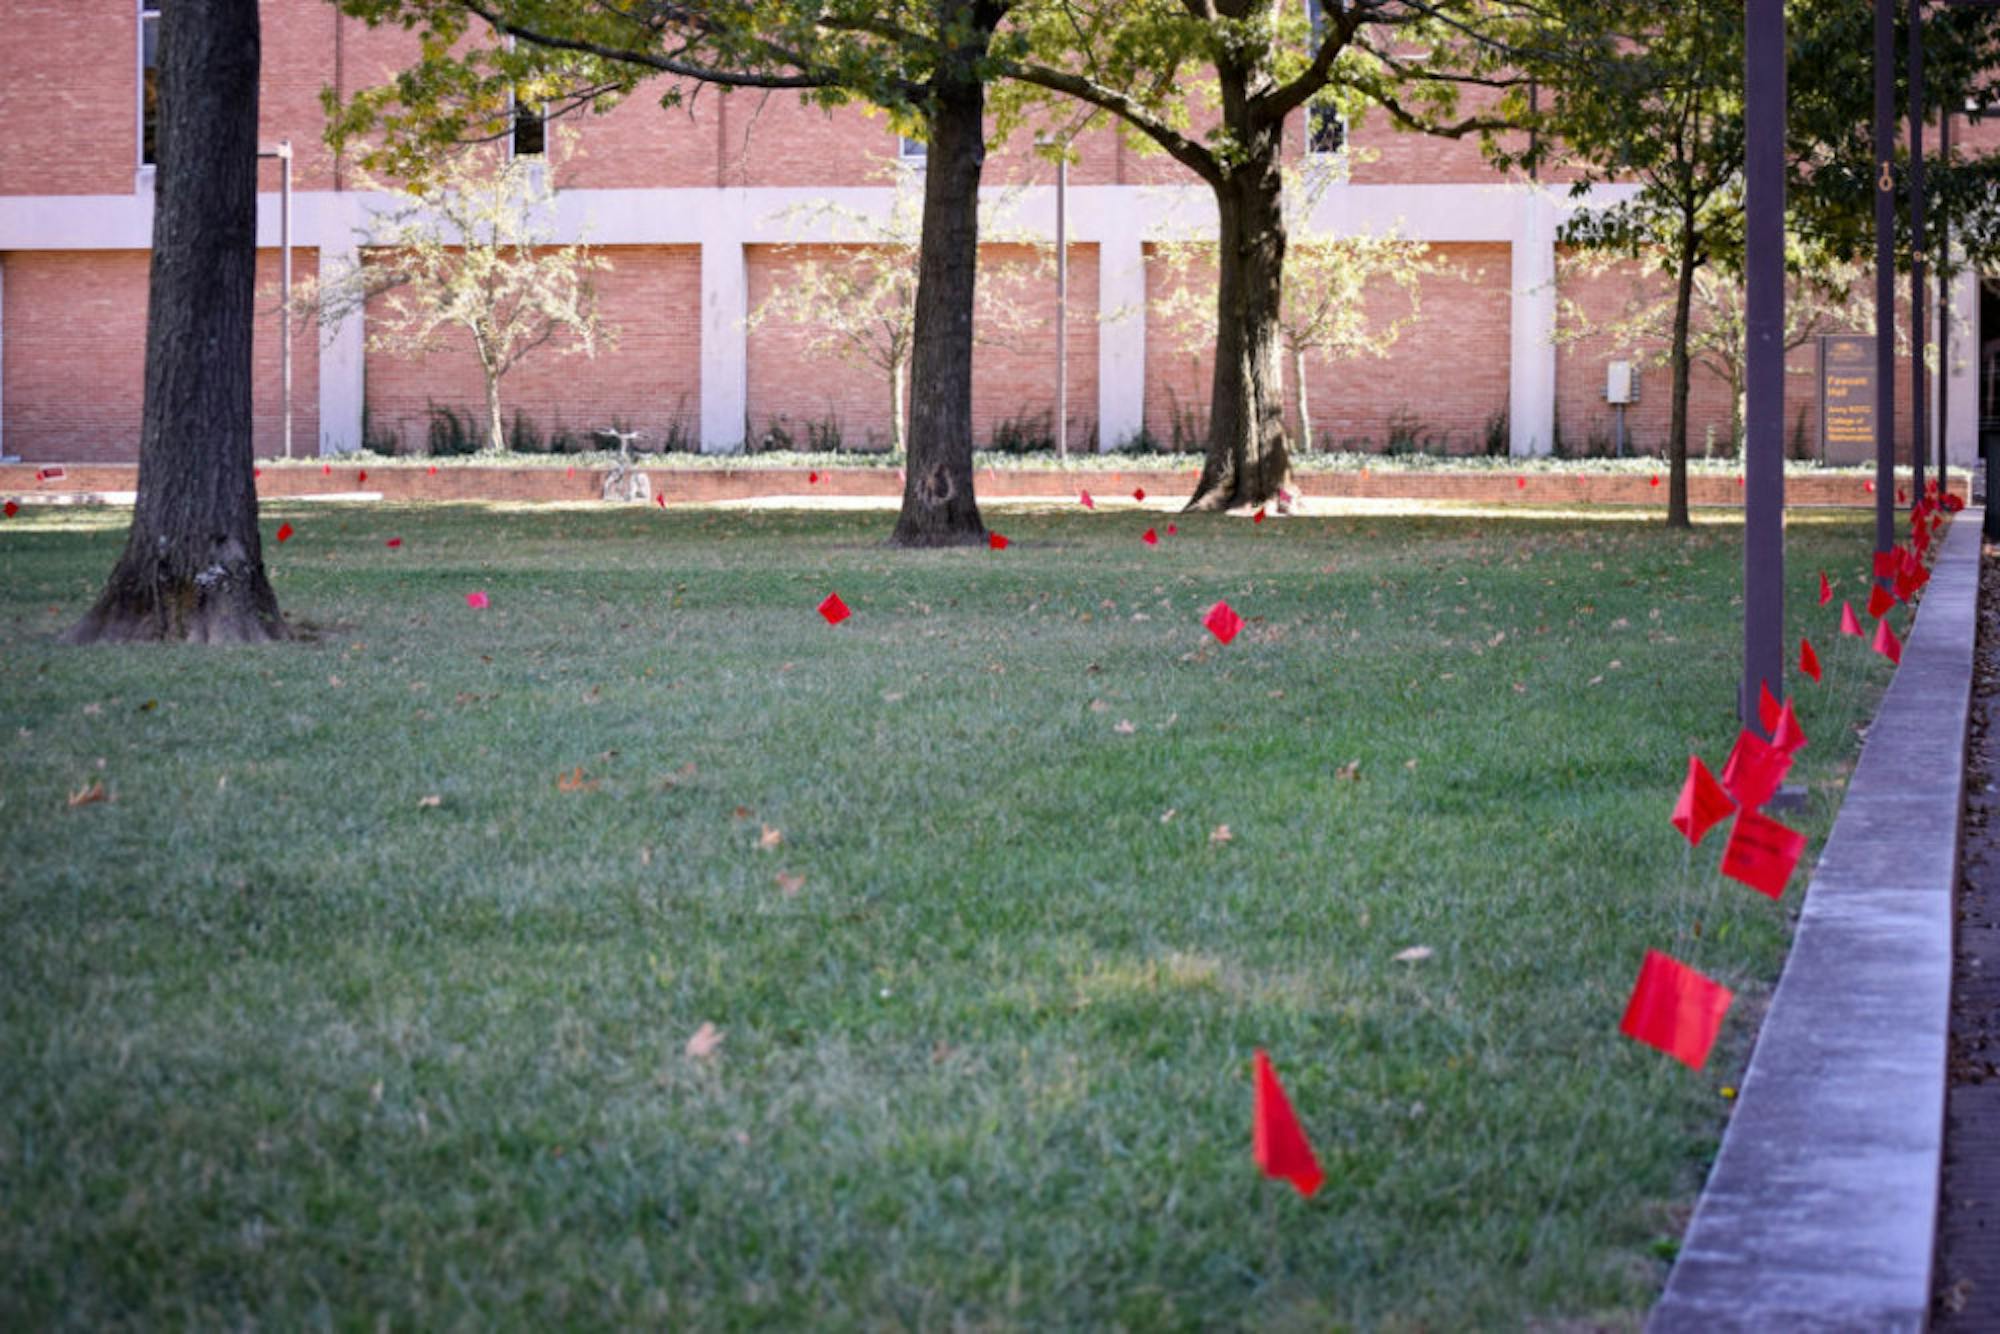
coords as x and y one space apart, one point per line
1621 383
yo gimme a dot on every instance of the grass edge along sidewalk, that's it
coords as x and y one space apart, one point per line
1821 1209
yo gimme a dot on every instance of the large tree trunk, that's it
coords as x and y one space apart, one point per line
1677 421
1247 460
939 509
193 566
496 432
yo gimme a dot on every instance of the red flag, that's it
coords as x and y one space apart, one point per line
1139 494
812 479
393 542
10 509
1276 1141
1786 734
476 601
256 472
1869 487
1850 624
1953 502
1767 708
326 470
434 470
1520 484
1656 479
1919 576
569 473
1222 621
362 478
1761 853
1172 531
997 542
1825 589
1920 539
1930 488
1088 503
1887 563
1258 517
1902 494
1150 538
1880 601
1886 642
834 609
284 532
1675 1009
1702 803
1808 660
1754 769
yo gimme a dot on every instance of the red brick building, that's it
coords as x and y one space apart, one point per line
698 211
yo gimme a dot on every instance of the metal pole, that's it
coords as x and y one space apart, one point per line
1944 277
1920 439
1062 309
285 279
1885 275
1764 319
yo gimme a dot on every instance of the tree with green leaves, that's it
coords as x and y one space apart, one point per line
1249 65
926 62
193 564
470 257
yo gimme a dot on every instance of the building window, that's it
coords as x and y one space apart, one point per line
1326 129
914 152
149 82
530 134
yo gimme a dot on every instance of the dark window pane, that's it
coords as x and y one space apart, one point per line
530 132
1326 132
149 88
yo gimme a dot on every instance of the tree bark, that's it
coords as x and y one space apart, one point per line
1305 411
1682 364
1247 459
899 375
193 565
496 433
939 508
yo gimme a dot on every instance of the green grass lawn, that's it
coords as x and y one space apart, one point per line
342 1010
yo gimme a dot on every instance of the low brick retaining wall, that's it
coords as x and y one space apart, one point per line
402 482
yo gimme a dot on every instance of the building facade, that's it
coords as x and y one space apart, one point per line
704 210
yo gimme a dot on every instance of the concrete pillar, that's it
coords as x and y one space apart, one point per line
3 360
1531 375
1961 438
342 365
1121 338
725 349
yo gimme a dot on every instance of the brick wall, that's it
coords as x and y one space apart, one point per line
75 351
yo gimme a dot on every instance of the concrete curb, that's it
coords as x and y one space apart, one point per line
1821 1210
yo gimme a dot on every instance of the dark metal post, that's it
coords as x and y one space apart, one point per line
1944 308
1764 318
1920 440
1885 275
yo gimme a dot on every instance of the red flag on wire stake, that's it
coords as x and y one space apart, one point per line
1675 1009
1887 563
476 601
10 509
1850 624
1150 538
1808 660
1886 642
1223 622
1083 497
1702 805
1786 734
1754 769
1139 494
1825 589
997 542
1761 853
284 532
1767 708
1276 1140
834 609
1880 601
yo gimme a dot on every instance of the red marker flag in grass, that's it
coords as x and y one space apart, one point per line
1888 562
1808 660
1150 537
1768 708
1761 853
660 499
362 477
1139 494
1886 642
1675 1009
1880 601
1656 479
1223 622
393 542
476 601
1825 589
1869 487
1702 805
1953 502
326 470
284 532
1786 734
434 470
834 609
1258 517
996 541
1850 624
1087 502
10 509
1520 484
812 479
1276 1141
1754 769
1172 531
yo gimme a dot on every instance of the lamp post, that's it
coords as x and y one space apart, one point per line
1764 370
1885 275
283 153
1919 401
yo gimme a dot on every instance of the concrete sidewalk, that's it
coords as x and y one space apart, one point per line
1821 1210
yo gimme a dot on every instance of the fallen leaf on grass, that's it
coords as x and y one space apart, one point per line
770 838
1124 727
88 796
1168 817
741 813
706 1041
1414 954
574 781
429 801
790 885
1220 834
1349 772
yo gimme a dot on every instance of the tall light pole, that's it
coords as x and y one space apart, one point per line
283 153
1764 358
1885 275
1920 439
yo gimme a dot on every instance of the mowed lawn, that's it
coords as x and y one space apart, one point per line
345 1009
